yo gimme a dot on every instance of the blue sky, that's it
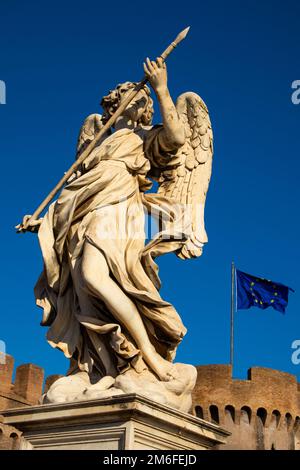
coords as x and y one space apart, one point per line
59 58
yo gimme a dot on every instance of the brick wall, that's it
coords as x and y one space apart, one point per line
262 412
27 387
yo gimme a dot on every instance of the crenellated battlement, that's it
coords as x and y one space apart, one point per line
27 387
262 412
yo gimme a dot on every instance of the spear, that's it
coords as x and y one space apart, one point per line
93 144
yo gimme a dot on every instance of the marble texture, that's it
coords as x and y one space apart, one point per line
100 288
175 393
127 422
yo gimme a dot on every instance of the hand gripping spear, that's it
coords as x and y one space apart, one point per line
93 144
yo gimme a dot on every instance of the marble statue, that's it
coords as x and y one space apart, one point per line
99 289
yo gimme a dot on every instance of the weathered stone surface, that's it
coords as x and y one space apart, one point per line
29 382
27 388
10 437
121 422
262 412
175 393
100 289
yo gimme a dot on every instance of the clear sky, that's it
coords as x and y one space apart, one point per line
59 58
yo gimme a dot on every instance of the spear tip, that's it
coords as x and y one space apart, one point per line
185 31
182 35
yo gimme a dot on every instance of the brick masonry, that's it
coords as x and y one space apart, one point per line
27 387
262 412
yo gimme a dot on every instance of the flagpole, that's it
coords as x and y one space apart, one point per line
232 314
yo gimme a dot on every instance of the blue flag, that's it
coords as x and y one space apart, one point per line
254 291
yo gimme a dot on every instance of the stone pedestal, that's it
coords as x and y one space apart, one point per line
125 422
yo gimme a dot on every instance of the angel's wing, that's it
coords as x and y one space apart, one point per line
90 128
188 183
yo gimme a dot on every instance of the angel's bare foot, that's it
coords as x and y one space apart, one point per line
163 368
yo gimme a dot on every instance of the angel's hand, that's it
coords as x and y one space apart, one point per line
25 226
74 176
156 72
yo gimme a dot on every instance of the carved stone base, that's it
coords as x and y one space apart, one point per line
124 422
176 393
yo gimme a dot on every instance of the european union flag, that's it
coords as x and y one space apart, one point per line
259 292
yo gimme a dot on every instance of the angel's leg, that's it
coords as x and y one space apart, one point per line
95 275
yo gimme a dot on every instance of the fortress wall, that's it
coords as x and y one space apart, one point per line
261 412
27 388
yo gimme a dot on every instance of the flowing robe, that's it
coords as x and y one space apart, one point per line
105 207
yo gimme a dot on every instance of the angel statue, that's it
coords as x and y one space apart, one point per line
100 287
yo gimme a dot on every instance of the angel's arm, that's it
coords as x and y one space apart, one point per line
172 135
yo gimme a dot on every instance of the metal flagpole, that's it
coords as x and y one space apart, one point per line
232 313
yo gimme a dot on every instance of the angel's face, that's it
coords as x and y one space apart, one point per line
136 107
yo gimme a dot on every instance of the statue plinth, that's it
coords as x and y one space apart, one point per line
125 422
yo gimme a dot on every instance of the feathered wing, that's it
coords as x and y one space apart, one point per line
188 183
90 128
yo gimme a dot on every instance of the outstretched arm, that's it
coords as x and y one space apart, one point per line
173 135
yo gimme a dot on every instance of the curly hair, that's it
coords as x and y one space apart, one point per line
111 102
